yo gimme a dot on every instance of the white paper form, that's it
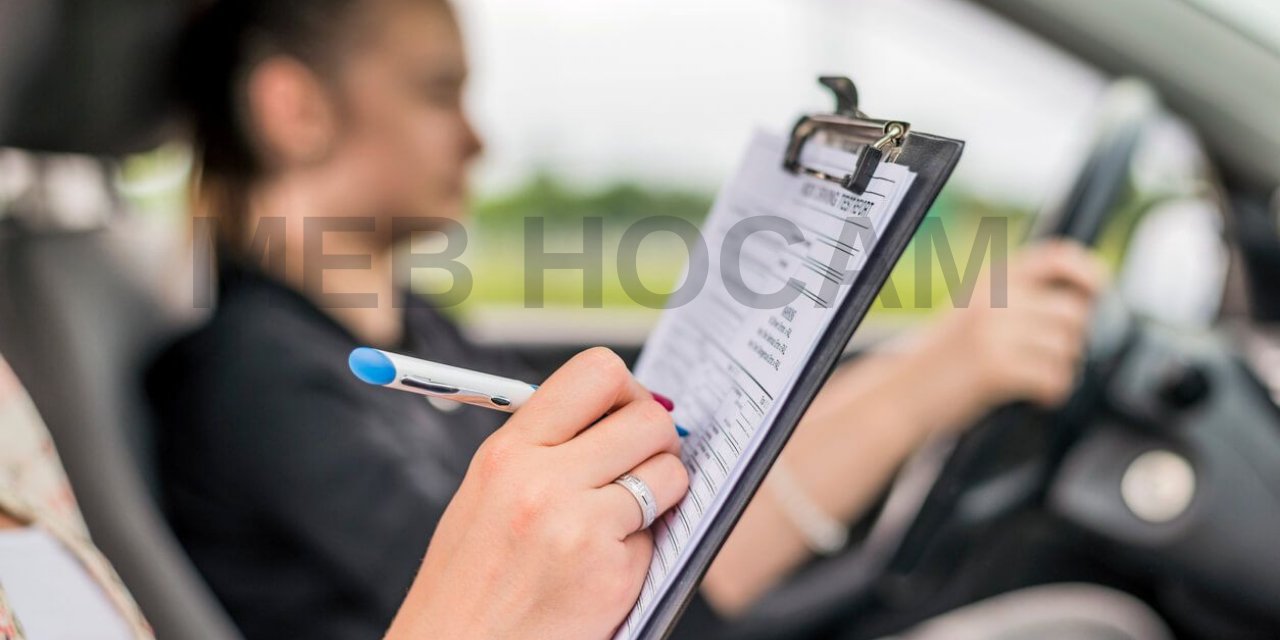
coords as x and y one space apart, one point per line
729 361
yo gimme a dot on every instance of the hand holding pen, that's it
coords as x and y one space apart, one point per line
541 531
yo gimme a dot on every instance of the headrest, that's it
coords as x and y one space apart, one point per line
86 76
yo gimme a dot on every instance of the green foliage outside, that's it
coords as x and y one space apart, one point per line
496 251
155 184
620 203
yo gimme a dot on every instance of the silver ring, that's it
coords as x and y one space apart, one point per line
643 495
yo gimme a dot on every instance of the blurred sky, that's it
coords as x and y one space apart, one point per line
668 91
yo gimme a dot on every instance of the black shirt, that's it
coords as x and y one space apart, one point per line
305 496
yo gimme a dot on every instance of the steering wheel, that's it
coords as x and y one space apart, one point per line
978 461
976 480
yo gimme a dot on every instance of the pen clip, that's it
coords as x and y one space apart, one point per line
468 396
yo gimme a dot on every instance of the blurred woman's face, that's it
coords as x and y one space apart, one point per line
405 140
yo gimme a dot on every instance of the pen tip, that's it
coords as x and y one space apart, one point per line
681 431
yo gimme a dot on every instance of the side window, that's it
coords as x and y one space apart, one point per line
596 110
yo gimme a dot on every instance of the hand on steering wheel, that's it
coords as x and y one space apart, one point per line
1022 335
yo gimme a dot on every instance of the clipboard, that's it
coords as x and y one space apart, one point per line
932 158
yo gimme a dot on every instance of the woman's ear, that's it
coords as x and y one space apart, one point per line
294 121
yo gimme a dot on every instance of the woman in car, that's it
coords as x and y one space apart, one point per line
304 495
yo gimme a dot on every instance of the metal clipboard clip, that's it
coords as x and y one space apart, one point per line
850 129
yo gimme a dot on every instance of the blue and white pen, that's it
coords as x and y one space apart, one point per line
427 378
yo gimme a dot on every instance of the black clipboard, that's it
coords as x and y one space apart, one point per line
932 158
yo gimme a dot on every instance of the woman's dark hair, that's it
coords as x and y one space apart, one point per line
224 41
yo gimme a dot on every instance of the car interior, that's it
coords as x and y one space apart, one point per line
83 309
